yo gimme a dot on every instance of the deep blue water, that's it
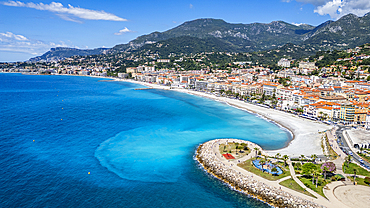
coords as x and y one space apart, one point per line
138 145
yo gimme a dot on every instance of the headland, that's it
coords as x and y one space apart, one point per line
211 160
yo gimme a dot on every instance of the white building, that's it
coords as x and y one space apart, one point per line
284 62
307 65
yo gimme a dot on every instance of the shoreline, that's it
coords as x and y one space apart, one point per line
305 134
305 140
211 161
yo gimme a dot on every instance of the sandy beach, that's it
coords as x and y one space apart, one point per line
306 136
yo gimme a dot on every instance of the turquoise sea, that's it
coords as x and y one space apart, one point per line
84 142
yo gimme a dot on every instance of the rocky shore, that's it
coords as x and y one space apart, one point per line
275 197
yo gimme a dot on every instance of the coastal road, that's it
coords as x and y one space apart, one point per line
343 144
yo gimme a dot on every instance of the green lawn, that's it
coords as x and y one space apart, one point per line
365 157
290 183
360 181
248 165
360 170
299 170
308 183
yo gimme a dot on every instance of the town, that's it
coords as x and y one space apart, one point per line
322 87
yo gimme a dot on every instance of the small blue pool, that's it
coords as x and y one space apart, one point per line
266 167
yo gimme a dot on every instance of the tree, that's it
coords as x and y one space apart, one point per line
316 174
256 149
298 165
314 157
277 155
367 180
285 158
354 177
348 160
328 166
321 114
301 157
312 171
274 169
307 168
263 98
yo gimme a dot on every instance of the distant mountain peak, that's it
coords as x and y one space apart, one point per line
347 31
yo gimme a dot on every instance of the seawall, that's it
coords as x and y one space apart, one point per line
242 183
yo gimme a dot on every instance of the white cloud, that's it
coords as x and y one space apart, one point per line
314 2
11 42
123 31
70 10
190 6
338 8
9 36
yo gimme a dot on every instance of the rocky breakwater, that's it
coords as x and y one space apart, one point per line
211 162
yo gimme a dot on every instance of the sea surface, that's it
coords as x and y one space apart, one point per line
85 142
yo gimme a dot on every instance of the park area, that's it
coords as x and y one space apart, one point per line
236 150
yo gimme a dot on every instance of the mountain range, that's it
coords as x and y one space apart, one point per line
217 35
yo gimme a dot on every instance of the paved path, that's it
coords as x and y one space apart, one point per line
340 160
348 194
292 172
233 164
333 191
353 196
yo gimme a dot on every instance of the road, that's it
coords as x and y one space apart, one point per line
345 146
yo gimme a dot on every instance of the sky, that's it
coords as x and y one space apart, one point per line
31 28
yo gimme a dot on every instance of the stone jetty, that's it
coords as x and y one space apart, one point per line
275 197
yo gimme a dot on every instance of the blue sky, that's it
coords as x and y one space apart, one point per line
31 28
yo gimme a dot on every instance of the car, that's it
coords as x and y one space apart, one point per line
350 153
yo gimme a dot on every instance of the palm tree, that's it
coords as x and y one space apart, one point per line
321 114
312 171
277 155
314 157
325 170
285 158
297 165
316 173
354 177
301 157
348 160
256 150
274 169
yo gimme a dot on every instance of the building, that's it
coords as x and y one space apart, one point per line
270 88
284 62
163 60
360 116
131 70
347 113
307 65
